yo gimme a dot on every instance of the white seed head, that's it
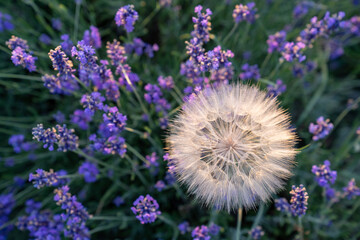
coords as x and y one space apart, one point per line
232 146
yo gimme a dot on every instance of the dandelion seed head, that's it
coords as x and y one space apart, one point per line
232 146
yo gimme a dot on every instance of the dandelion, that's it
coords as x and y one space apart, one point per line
232 146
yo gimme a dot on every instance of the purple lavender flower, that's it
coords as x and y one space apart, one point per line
202 24
7 203
81 118
6 22
43 178
53 84
277 89
245 13
16 142
46 136
160 185
44 38
214 229
114 145
256 233
166 83
126 16
23 58
151 160
62 64
324 175
32 206
282 205
116 53
352 25
351 190
118 201
291 52
184 227
90 171
249 72
67 140
41 224
276 41
14 42
301 9
114 120
67 44
321 129
92 102
298 202
201 233
140 47
75 214
146 209
92 37
56 24
59 117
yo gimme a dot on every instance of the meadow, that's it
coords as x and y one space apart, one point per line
179 119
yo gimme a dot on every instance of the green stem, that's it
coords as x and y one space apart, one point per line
18 76
238 226
4 49
318 93
136 153
301 229
76 21
151 15
258 216
230 33
266 60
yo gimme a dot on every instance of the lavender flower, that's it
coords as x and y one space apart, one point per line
81 118
276 41
63 137
92 102
282 205
245 13
14 42
291 52
351 190
324 175
126 16
249 72
6 23
140 47
321 129
256 233
301 9
184 227
201 233
160 185
116 53
202 24
56 24
43 178
298 202
352 25
75 214
67 44
92 37
166 83
16 142
89 170
118 201
152 160
146 209
214 229
114 120
44 38
277 89
114 145
59 117
23 58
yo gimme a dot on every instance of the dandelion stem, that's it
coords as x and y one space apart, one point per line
258 216
266 60
238 226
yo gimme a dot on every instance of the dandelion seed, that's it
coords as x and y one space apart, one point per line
232 146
